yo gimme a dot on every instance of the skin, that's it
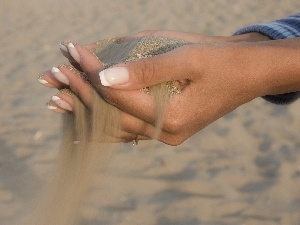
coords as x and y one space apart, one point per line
219 74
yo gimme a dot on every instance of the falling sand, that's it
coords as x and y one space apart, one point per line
60 203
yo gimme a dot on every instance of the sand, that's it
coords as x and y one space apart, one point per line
243 169
86 143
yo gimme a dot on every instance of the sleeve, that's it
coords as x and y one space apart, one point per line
288 27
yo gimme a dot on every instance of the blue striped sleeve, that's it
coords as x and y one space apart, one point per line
288 27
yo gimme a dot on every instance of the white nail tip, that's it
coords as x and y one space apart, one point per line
103 79
63 47
55 70
42 81
55 98
51 107
61 103
70 45
60 76
73 52
114 76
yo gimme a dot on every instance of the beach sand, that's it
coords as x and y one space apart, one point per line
242 169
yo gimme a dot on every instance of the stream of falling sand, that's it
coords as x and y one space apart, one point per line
60 203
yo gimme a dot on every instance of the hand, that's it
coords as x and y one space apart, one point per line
189 37
216 85
51 81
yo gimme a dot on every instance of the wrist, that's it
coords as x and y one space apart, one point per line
273 67
228 66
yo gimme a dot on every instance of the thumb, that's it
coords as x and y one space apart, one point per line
146 72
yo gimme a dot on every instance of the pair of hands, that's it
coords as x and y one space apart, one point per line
213 69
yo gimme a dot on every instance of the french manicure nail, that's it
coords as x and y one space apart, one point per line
60 76
43 81
114 76
73 52
61 103
63 47
51 107
54 108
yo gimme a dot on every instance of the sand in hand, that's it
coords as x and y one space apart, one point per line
59 203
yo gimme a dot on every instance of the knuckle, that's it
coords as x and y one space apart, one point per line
175 140
174 125
146 71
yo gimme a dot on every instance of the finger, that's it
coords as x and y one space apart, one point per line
47 79
64 50
174 65
133 128
134 125
88 61
66 76
76 81
120 136
63 102
54 107
135 74
126 101
55 79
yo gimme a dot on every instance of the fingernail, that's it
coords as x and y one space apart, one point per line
54 108
61 103
114 75
73 52
51 107
43 81
63 47
60 76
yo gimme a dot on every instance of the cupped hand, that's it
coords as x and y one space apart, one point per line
186 36
213 85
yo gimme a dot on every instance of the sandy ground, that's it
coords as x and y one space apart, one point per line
243 169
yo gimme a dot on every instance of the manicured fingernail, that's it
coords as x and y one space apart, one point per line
73 52
61 103
114 75
63 47
60 76
51 107
54 108
43 81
